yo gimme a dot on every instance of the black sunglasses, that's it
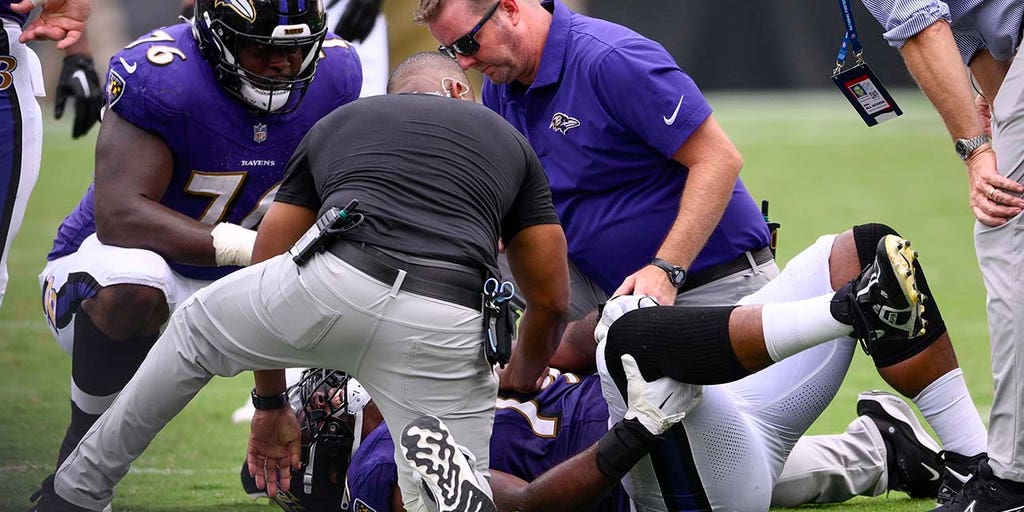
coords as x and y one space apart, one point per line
467 45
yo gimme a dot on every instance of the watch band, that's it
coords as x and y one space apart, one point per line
966 147
269 403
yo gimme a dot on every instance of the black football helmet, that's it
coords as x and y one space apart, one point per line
329 406
222 27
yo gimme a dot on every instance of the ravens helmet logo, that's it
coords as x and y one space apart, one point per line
562 123
244 8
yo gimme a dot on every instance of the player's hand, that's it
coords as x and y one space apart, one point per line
994 199
615 308
649 280
358 19
274 449
659 404
79 82
60 20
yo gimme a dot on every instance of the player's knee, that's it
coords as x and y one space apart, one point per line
866 237
127 310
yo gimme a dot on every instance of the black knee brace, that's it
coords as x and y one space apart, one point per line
866 237
688 344
100 365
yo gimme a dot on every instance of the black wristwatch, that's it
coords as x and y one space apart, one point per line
269 403
676 274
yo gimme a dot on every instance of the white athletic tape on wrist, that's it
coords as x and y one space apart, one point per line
233 244
38 3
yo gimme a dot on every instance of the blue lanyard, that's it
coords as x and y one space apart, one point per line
850 40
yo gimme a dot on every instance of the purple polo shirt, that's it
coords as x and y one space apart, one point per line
606 113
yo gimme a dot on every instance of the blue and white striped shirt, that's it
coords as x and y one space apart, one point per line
977 24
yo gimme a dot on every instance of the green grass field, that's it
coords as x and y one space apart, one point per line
809 153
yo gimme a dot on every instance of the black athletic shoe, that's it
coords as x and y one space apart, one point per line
958 470
985 492
911 452
47 500
448 477
883 303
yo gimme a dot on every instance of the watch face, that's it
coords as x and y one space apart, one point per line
678 277
961 148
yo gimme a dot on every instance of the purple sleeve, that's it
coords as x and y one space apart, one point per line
372 491
650 96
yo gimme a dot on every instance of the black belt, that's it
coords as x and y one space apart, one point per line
716 272
449 285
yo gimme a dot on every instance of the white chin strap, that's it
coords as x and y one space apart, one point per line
355 402
263 99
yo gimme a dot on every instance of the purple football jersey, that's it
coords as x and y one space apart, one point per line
228 160
372 474
532 433
6 12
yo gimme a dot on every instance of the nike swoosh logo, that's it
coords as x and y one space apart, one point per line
963 478
80 76
670 120
665 401
935 474
130 68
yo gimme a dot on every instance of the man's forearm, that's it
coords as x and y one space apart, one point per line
705 197
934 60
575 484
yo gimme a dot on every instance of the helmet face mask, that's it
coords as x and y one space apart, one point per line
329 406
228 30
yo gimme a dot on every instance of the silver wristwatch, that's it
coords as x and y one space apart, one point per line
964 147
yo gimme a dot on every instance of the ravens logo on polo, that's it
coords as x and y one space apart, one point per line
562 123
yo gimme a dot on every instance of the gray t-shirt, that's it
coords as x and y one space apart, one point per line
435 177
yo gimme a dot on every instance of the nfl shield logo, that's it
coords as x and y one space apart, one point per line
259 133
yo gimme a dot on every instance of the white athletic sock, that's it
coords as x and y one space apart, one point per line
949 409
790 327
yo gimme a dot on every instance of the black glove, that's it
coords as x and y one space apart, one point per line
78 81
358 19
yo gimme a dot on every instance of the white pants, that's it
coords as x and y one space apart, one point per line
21 135
741 433
1000 253
415 355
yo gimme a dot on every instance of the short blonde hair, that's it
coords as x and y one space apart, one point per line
428 9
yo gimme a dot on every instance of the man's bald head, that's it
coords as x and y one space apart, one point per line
430 73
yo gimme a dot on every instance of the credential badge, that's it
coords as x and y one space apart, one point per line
259 133
562 123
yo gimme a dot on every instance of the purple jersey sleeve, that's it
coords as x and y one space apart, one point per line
372 475
228 160
6 12
671 107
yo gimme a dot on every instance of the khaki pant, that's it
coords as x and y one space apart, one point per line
1000 253
415 355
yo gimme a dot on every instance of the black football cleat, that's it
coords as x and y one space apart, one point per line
910 452
958 469
985 492
47 500
883 303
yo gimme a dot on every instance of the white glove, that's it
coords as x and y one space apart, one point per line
615 308
643 398
232 244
